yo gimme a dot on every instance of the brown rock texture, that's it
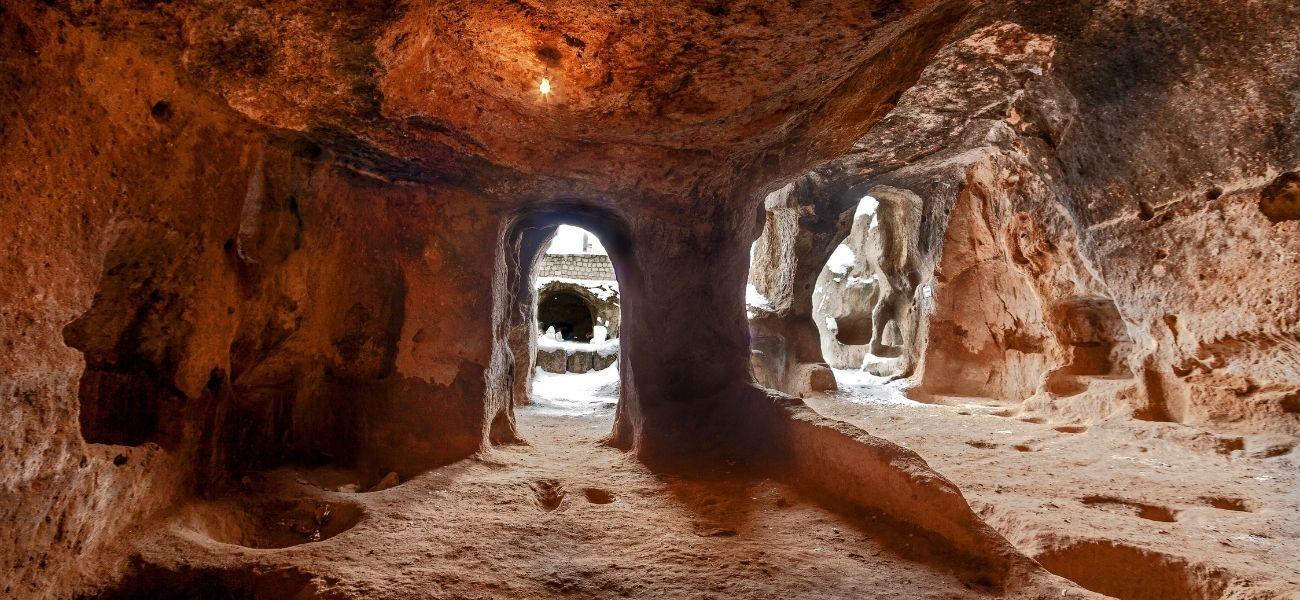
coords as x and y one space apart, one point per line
1042 285
242 236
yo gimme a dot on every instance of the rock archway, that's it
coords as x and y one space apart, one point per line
571 315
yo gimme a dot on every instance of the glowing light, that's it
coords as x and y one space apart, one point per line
545 86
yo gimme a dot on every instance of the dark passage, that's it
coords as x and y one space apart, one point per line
568 313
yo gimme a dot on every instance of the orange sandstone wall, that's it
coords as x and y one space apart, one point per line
188 297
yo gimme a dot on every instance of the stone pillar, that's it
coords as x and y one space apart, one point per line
685 344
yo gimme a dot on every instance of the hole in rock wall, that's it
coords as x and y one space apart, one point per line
854 329
577 324
161 111
1094 334
863 299
129 337
1280 200
1146 212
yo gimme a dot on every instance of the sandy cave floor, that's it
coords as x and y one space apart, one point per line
1212 515
566 515
562 515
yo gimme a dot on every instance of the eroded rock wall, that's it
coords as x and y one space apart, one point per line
263 232
802 223
190 297
1171 169
1097 218
939 120
1116 278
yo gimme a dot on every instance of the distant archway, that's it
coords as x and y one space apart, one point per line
570 315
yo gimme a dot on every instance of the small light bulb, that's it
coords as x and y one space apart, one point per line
545 87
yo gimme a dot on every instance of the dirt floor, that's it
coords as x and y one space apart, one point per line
567 516
1117 505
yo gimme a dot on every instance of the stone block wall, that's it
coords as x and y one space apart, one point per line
576 266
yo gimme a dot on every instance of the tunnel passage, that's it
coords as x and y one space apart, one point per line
550 283
568 313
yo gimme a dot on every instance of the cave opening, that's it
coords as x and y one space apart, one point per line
847 289
127 395
576 316
864 300
1093 334
568 314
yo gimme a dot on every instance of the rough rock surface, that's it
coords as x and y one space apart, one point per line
1044 286
242 235
1132 509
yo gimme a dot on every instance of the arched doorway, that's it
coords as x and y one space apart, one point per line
575 370
546 256
568 314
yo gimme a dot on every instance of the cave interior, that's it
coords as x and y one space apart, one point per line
923 298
